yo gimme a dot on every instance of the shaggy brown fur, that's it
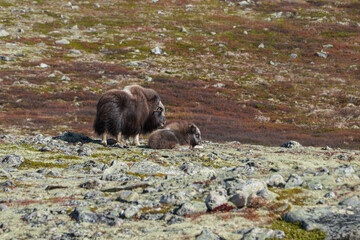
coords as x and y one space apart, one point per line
176 133
128 112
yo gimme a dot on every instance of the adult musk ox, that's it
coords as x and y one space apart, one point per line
176 133
127 113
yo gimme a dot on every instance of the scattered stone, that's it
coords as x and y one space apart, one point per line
4 33
215 198
12 160
275 180
293 181
207 234
172 198
62 42
157 51
293 55
3 207
191 207
43 65
91 184
175 219
128 196
330 195
81 215
353 202
260 234
240 199
131 212
322 54
292 144
336 221
74 137
94 195
261 45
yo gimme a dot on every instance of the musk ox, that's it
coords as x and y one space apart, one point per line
127 113
176 133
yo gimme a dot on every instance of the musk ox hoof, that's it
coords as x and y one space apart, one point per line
118 145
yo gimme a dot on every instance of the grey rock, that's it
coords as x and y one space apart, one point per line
4 174
293 55
345 171
116 167
207 234
322 54
292 144
128 196
351 202
84 152
175 219
313 185
293 181
4 33
275 180
3 207
240 199
247 186
338 222
94 195
215 198
62 42
260 234
191 207
157 51
8 183
81 215
91 184
131 211
37 217
330 195
12 160
74 137
172 198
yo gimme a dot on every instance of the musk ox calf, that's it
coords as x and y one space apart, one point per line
127 113
176 133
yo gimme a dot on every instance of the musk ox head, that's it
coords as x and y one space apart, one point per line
159 115
195 135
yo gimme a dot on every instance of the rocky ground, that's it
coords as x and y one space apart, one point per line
72 187
263 72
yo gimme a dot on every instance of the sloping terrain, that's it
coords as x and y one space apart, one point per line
255 71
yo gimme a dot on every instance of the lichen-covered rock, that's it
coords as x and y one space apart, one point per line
207 234
292 144
191 207
260 234
338 222
128 196
275 180
216 198
293 181
12 160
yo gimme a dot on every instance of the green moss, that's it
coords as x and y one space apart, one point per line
36 164
5 4
160 175
294 231
291 195
164 208
85 46
338 34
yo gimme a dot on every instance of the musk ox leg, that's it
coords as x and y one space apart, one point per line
136 140
104 139
119 138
